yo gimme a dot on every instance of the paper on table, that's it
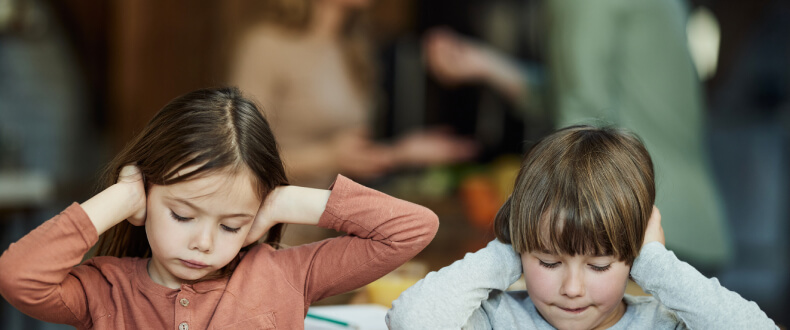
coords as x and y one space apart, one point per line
362 317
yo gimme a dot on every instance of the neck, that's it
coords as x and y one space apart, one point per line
328 19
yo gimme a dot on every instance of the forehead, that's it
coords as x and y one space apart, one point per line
221 190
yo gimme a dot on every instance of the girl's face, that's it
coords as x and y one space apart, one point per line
198 226
576 292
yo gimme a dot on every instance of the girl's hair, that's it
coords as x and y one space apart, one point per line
582 190
215 130
296 16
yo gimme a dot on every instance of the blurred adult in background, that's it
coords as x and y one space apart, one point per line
625 63
309 64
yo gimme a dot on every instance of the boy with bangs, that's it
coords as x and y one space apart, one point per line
580 222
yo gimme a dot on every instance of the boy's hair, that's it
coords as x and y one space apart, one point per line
215 129
582 190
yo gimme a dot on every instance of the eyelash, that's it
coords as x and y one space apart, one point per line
181 219
229 229
556 264
178 217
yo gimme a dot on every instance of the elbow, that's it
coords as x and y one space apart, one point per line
24 293
429 222
9 280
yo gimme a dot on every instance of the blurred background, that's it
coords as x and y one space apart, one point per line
434 101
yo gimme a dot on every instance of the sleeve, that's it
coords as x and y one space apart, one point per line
383 233
701 303
36 269
580 48
451 298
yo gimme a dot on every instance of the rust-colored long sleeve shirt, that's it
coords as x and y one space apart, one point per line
269 289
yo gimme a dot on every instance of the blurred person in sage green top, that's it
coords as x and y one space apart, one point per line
619 62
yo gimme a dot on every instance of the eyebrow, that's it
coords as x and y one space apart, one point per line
195 207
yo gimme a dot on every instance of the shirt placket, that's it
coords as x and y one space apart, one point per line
183 310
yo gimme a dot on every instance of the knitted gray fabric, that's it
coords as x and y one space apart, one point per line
470 294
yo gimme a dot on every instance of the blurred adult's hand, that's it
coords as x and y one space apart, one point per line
356 155
433 147
455 60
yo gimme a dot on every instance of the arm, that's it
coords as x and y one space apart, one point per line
456 60
35 269
383 233
448 298
700 302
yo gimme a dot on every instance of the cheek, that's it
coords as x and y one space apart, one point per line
228 247
608 289
160 229
541 283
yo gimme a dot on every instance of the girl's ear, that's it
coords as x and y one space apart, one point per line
502 222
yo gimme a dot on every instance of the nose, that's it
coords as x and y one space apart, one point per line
203 239
573 284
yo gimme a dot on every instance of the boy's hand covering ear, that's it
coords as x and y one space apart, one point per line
654 232
132 178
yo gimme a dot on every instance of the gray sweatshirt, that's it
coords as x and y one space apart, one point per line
471 294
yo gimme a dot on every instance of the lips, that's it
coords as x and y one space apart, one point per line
574 310
193 264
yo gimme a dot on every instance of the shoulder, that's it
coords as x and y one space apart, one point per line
110 265
101 274
108 268
648 311
505 308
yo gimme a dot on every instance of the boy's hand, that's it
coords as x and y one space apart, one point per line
654 232
132 179
264 219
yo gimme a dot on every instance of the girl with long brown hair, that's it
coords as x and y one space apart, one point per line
205 198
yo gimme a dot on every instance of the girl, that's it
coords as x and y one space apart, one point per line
574 227
208 185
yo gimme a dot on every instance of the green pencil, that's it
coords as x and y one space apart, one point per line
330 320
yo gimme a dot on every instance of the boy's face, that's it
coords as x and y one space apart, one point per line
198 226
576 292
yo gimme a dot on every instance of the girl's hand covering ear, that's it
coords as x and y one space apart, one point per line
264 219
654 231
131 178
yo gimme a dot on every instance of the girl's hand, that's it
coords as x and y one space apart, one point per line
264 219
288 204
132 179
654 232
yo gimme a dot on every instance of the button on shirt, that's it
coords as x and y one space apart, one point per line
183 312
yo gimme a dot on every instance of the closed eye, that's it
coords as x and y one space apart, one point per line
178 217
600 268
548 265
229 229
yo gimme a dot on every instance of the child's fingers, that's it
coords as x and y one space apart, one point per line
130 173
654 232
132 177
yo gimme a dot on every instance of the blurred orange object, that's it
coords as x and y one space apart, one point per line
481 200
